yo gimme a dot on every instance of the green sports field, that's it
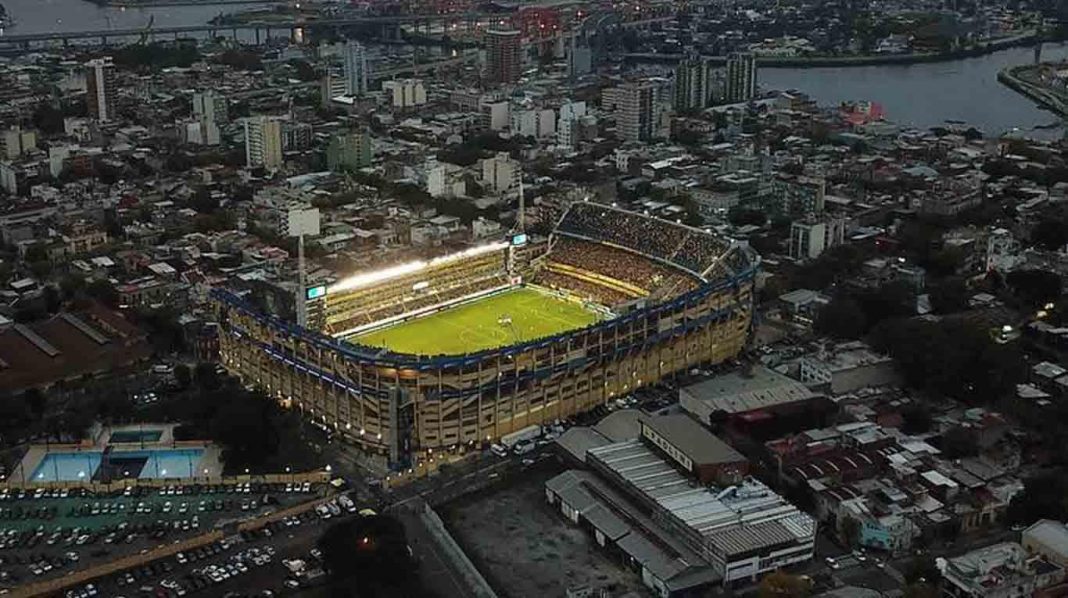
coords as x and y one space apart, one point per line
476 326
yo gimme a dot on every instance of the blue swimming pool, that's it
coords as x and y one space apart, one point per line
144 464
67 466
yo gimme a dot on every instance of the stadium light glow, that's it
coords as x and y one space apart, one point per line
369 278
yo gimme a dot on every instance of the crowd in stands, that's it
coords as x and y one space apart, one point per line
690 248
587 290
617 264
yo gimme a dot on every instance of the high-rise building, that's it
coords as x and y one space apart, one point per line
504 58
405 93
634 104
811 236
296 135
334 85
348 151
15 141
538 122
263 141
496 115
579 59
741 77
100 88
356 73
693 84
500 173
567 129
209 110
211 107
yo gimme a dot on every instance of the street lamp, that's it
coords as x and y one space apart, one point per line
328 468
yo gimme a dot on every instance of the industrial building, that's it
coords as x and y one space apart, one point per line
646 499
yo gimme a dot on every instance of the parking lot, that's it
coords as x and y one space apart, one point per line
49 533
278 559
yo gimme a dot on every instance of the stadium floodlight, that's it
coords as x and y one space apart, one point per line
368 278
302 222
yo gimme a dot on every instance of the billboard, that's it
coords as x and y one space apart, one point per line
519 240
316 292
303 221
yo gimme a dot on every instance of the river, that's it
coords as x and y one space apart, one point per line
47 16
921 95
929 94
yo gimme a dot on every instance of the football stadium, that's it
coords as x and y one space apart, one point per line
463 348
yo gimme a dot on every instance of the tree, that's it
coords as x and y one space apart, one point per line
47 118
1045 496
36 401
849 528
71 285
921 590
842 318
183 377
948 297
15 415
243 425
922 570
916 419
207 377
741 216
780 584
1034 288
951 357
304 71
892 300
368 557
1050 234
103 291
959 442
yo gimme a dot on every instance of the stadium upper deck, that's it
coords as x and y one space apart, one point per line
689 248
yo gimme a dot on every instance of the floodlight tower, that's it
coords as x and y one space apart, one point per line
518 236
302 221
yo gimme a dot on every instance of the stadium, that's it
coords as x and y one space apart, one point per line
464 348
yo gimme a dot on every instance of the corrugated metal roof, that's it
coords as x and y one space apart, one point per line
735 519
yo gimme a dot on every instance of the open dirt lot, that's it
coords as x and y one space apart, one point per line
525 548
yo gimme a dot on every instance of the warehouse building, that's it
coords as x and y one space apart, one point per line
675 504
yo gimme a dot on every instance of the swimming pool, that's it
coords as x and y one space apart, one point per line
67 466
146 464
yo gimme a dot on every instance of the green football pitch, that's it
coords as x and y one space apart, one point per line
476 326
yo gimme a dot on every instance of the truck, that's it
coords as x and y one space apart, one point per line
524 447
527 433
